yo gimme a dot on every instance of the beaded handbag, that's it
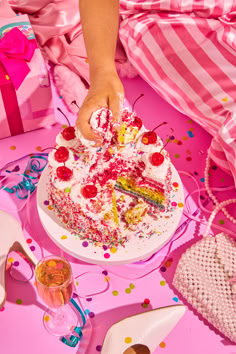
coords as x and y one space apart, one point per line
206 274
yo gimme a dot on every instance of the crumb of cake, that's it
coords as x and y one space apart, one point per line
135 215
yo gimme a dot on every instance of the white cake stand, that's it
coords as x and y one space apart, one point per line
135 249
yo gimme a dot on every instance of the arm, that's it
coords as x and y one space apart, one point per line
99 20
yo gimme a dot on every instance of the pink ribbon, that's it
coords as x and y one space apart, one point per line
15 51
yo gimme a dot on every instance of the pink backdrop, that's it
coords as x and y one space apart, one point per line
21 327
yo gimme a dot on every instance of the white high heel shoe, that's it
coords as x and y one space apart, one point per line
146 329
12 239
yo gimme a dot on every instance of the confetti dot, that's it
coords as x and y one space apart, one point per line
13 147
179 142
98 348
106 255
225 99
191 129
132 286
50 207
162 345
175 299
190 134
91 314
67 190
87 311
221 222
188 152
16 264
180 205
168 264
104 247
163 269
128 290
46 318
29 240
2 309
144 305
214 167
202 197
202 179
89 299
46 202
189 121
105 272
115 293
18 301
184 138
147 301
188 158
11 260
174 204
175 141
177 156
38 148
7 77
175 184
113 250
74 295
32 248
128 340
76 283
52 263
64 126
196 173
60 97
85 244
63 237
162 283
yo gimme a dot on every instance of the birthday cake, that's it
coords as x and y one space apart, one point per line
105 194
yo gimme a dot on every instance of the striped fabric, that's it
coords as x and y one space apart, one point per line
186 50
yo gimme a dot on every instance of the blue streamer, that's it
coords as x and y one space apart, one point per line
74 340
31 173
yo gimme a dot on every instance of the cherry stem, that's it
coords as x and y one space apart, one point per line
168 141
74 102
142 94
59 109
159 126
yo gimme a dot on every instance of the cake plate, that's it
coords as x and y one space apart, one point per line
136 249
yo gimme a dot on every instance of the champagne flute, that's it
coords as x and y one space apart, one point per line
54 283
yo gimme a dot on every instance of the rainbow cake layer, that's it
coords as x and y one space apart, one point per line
103 194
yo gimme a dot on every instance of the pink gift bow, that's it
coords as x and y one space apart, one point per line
15 50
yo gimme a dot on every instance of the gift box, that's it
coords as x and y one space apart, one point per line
25 90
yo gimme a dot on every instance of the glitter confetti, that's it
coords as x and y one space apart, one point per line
67 190
64 126
189 121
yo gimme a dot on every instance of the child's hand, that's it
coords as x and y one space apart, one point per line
106 90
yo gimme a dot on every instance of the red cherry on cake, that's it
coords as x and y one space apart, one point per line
64 173
156 159
62 154
137 122
89 191
68 133
149 138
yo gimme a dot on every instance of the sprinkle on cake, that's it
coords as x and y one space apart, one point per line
103 194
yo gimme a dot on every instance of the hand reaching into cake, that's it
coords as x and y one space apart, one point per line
106 90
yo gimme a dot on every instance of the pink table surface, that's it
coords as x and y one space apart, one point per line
21 327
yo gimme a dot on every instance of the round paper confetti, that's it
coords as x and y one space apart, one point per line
180 205
29 240
46 318
162 345
174 204
128 290
98 348
76 283
18 301
202 179
89 299
38 148
188 158
175 184
85 244
60 97
168 264
175 299
179 142
67 190
104 247
16 264
115 293
177 156
50 207
2 309
113 250
105 272
221 222
189 121
106 255
32 248
11 260
91 314
128 340
132 286
144 305
87 311
162 283
46 202
184 138
190 134
163 269
63 237
13 147
64 126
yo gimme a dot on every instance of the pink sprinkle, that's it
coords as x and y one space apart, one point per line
59 265
106 255
173 203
